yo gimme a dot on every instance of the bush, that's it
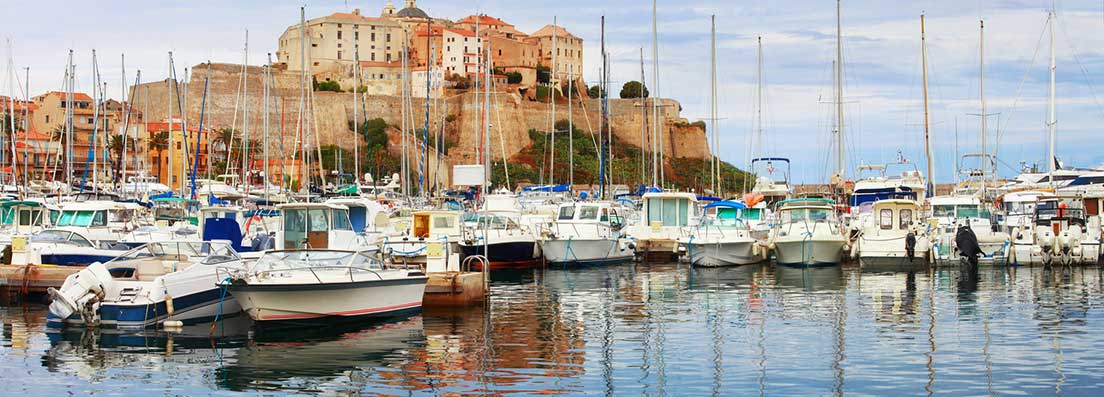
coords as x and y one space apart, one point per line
595 91
632 90
375 133
450 118
327 86
513 78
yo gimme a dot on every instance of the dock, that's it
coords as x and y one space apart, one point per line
21 281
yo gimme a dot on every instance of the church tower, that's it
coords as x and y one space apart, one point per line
389 9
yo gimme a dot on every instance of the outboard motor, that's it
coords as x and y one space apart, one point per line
80 293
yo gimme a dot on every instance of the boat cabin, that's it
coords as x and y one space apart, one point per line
894 217
728 213
435 223
315 226
669 209
1058 213
24 216
364 214
806 210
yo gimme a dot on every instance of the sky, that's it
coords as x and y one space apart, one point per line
883 111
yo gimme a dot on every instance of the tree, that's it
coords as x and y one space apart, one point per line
158 143
513 77
544 74
595 91
327 86
375 133
632 90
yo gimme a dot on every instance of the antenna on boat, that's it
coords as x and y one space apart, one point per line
1051 122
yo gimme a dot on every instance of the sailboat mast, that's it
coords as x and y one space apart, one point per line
552 95
1051 123
713 100
267 84
356 115
570 125
643 117
841 166
927 118
602 117
984 116
656 169
246 150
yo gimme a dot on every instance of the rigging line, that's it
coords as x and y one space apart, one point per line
1019 91
1084 71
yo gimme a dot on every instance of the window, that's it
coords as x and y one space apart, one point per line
339 33
588 213
318 221
79 240
372 37
944 211
388 37
566 213
339 53
605 215
443 222
885 219
356 35
100 218
905 219
341 220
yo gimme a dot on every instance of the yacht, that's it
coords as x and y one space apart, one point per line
1017 209
883 240
509 242
586 233
807 233
143 287
723 238
317 286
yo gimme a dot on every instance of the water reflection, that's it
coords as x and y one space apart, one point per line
651 329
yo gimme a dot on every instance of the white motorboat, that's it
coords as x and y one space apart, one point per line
723 238
893 236
308 286
950 212
1017 209
586 233
150 284
509 242
662 218
1059 233
808 233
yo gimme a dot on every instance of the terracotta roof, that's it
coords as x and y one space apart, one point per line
77 96
482 20
548 29
462 32
5 103
433 31
33 136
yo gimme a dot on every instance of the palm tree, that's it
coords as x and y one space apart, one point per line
224 138
159 142
115 150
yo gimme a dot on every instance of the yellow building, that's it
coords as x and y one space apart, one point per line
334 39
566 51
160 156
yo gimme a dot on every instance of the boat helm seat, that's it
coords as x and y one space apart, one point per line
149 270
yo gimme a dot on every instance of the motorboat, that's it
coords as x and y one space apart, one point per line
807 233
319 285
22 218
893 236
1059 233
723 238
1017 209
318 226
952 211
662 219
143 287
586 233
505 243
497 231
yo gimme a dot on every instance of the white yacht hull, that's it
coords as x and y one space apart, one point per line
723 253
887 252
585 251
297 302
809 251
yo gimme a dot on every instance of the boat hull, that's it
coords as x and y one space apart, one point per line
505 255
716 254
809 252
310 303
585 251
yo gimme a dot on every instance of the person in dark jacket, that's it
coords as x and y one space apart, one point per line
967 244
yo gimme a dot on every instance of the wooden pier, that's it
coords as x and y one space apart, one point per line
21 281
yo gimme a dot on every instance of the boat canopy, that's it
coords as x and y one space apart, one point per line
726 204
548 188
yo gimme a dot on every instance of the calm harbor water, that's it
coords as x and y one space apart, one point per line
628 330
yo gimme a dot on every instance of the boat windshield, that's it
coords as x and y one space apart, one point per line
82 218
806 214
316 259
211 252
567 213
